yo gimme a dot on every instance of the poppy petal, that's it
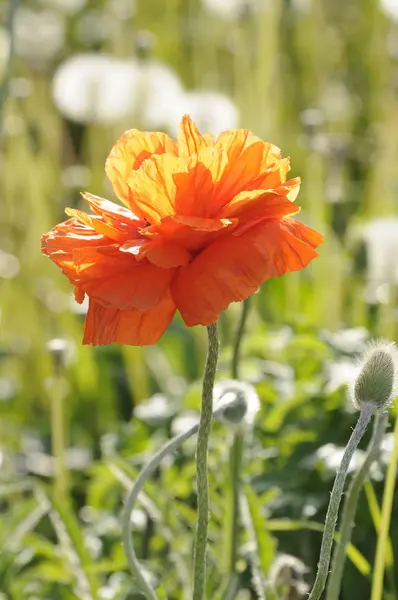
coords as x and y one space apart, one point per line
119 280
196 187
160 252
255 204
60 243
117 215
190 141
233 267
129 153
134 327
153 187
192 233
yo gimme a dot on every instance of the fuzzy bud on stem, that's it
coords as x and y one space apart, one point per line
377 379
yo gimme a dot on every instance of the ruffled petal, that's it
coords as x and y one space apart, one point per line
160 252
197 186
190 141
134 327
128 154
95 264
118 279
112 213
153 187
252 164
192 233
60 243
169 185
233 267
263 204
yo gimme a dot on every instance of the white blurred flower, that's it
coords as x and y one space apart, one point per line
340 373
69 7
38 34
212 112
9 265
390 8
184 421
331 455
103 89
381 240
233 9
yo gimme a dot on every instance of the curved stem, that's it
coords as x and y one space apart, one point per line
335 498
350 507
236 453
257 577
168 448
238 338
388 497
206 418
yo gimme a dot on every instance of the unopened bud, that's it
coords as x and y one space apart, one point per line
376 382
236 402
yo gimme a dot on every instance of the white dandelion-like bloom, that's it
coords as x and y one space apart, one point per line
381 241
39 35
233 9
213 112
390 8
103 89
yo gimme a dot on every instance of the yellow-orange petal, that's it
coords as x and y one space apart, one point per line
153 188
197 185
235 141
98 225
134 327
262 204
129 153
233 267
190 141
118 216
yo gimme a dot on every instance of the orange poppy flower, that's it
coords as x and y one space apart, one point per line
206 223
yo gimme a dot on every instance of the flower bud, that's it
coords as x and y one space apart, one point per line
376 382
236 402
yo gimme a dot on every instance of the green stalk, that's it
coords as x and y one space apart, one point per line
58 439
236 453
238 338
365 416
388 497
202 479
350 507
145 473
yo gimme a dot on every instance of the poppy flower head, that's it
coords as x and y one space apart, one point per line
204 223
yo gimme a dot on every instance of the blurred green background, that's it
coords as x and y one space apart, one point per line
320 80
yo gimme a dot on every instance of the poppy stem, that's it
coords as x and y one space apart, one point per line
202 479
236 453
135 566
364 418
350 506
386 510
238 338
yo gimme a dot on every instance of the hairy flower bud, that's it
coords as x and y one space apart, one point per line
376 382
237 402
